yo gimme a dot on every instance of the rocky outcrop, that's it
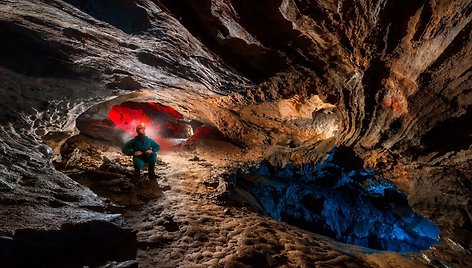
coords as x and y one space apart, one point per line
293 78
48 220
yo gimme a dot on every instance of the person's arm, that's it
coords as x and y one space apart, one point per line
128 148
155 146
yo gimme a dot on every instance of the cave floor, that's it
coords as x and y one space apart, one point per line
181 223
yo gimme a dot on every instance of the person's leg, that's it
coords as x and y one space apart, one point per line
138 164
151 161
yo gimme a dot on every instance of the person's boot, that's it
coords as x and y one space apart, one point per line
152 173
136 175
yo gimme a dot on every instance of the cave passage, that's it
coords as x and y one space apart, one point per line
160 120
118 124
354 206
163 123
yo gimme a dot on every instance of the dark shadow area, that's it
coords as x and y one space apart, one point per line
372 81
451 135
390 15
252 60
264 20
91 243
349 204
26 52
125 15
425 17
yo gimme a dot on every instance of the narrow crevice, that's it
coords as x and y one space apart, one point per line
390 15
425 17
372 81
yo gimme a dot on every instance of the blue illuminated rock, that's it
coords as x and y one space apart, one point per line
357 207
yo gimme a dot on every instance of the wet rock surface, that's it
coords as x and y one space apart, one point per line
289 80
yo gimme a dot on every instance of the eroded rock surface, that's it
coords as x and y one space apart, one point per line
189 220
288 79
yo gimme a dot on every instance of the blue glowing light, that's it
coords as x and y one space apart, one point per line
353 206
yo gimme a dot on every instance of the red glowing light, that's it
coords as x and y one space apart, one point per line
166 110
127 118
393 104
158 119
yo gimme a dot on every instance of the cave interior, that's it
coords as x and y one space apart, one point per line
292 133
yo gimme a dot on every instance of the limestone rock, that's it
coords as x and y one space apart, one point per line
291 78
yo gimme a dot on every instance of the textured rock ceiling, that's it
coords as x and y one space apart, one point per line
294 78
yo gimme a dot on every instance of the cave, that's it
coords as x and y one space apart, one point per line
291 133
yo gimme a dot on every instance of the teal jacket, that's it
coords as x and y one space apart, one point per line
140 144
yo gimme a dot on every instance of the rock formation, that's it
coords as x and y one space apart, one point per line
291 79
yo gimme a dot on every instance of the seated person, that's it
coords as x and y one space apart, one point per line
143 149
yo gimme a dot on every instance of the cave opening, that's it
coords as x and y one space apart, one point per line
162 122
347 203
116 123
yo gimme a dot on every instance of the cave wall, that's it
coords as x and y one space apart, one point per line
398 75
292 77
394 71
